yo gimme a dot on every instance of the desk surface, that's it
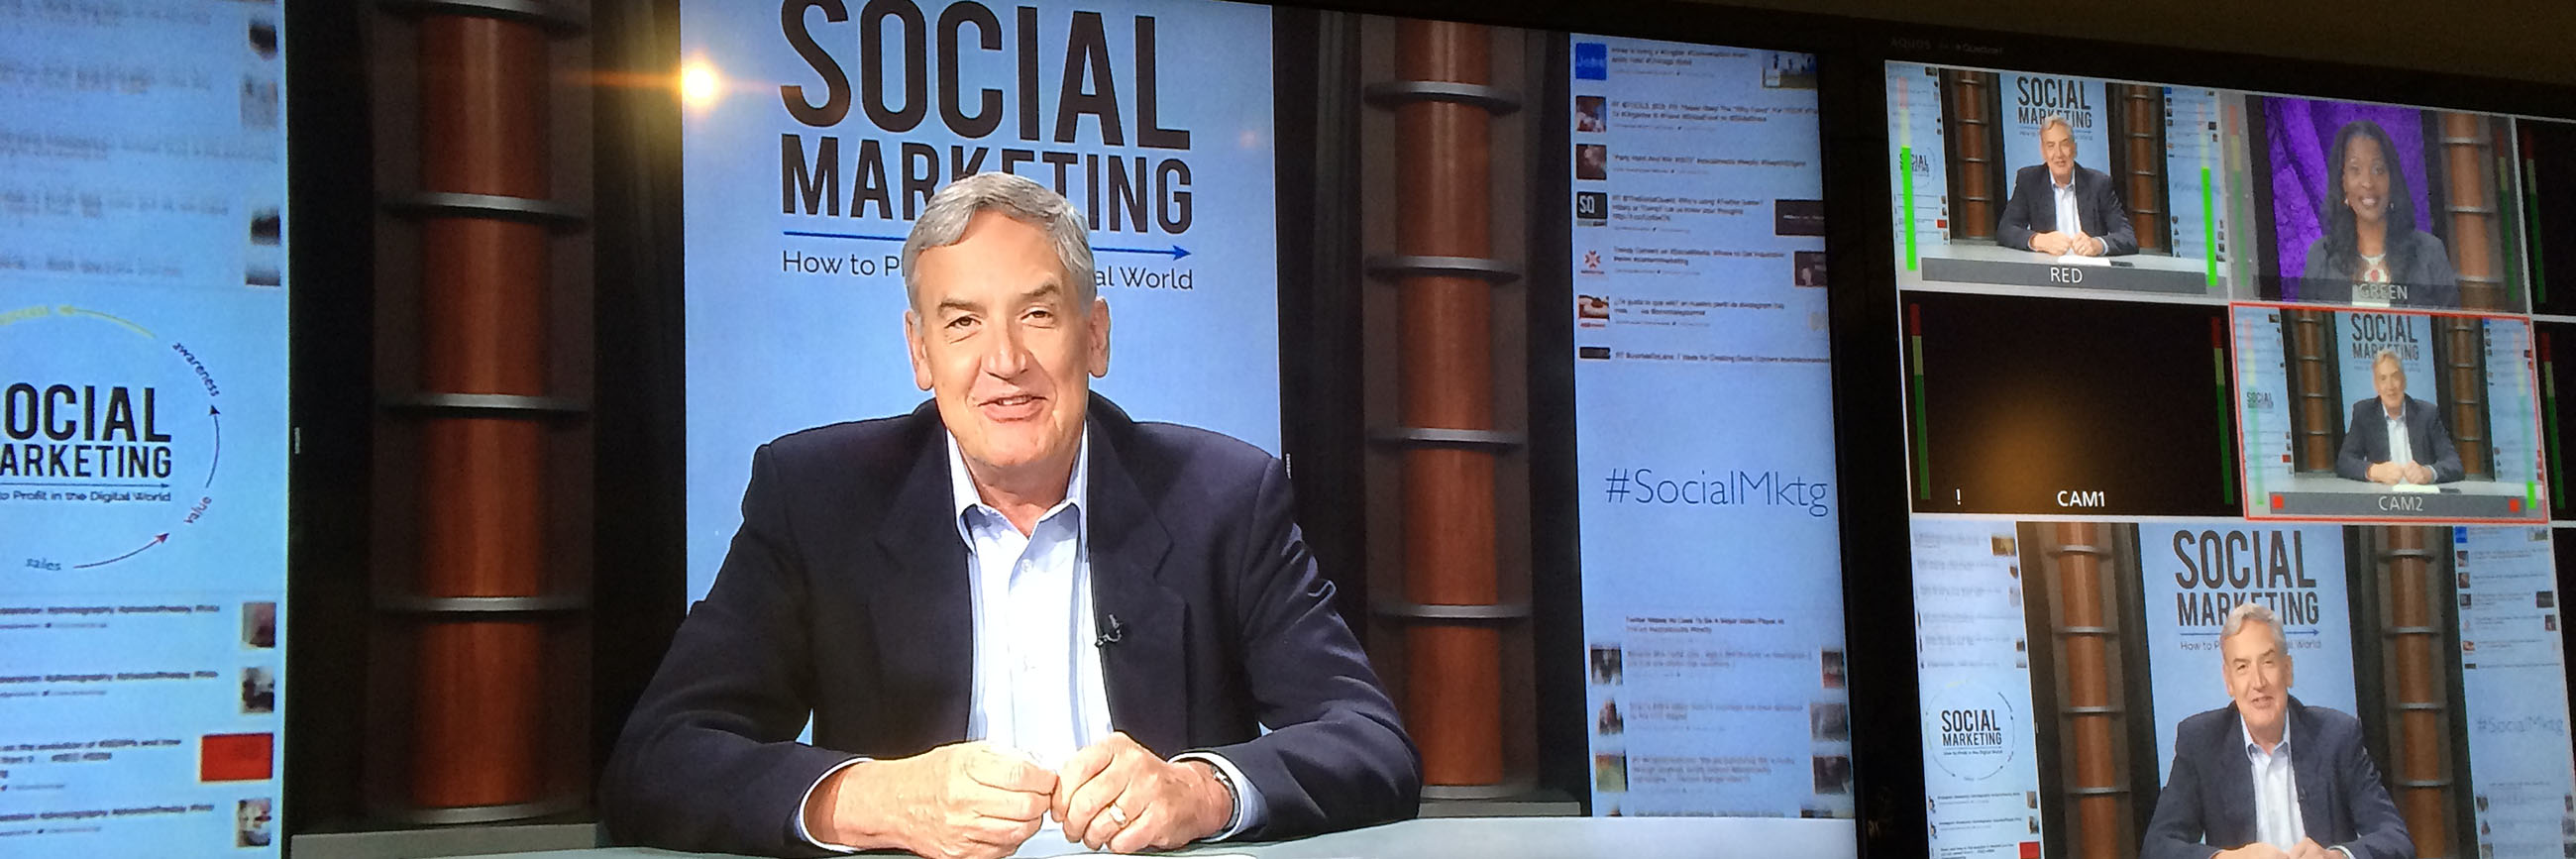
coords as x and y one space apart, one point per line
2332 495
1488 838
1983 263
1983 251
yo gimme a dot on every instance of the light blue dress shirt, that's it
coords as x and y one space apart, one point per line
2276 792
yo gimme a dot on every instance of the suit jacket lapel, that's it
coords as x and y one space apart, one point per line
2308 772
1144 668
2419 431
923 614
2235 780
2047 213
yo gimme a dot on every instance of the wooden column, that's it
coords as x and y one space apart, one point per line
2319 408
478 711
482 509
2076 550
2463 364
2143 130
1454 673
1972 135
2422 778
2470 203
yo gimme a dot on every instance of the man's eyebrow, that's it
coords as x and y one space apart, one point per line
958 304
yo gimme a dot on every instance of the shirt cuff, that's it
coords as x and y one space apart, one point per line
1248 808
2346 851
798 816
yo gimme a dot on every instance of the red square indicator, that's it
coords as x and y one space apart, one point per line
2513 505
236 757
2030 850
2276 501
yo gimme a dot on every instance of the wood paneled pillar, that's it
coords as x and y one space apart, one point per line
2319 408
1973 137
2463 365
2076 551
1453 699
2142 129
481 695
2422 779
2469 203
477 727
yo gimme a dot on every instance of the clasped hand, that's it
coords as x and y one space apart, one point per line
976 801
2394 473
2307 848
2060 244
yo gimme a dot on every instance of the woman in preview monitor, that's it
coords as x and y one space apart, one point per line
2371 254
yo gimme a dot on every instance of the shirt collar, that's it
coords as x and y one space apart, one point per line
2253 749
2070 178
964 500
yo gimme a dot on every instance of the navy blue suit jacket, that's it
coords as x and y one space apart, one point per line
2208 803
2033 210
2365 441
845 594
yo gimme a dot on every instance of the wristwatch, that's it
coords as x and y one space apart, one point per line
1233 799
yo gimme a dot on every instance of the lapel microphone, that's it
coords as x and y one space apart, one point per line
1112 635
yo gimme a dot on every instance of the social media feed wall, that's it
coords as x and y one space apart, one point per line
143 428
1704 427
2170 350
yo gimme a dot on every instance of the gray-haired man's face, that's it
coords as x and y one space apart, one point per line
2258 675
1006 345
2057 147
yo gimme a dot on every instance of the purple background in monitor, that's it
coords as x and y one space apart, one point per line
2301 135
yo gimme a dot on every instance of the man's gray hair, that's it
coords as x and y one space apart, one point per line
2254 612
2056 119
2390 356
943 222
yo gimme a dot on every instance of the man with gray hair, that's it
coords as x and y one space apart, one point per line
1013 609
2267 777
2061 208
2394 438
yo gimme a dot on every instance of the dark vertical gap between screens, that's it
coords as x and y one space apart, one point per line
1556 556
331 400
1869 451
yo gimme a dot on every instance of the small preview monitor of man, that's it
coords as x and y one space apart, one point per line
2267 777
2394 438
1013 608
2061 208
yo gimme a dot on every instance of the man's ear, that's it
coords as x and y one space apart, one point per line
1096 352
917 348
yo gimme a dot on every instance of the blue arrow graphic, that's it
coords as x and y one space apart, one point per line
842 236
1175 251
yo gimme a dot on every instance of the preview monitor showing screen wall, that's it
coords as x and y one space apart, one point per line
2333 406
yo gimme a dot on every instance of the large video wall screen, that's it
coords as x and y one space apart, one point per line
143 428
1716 681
